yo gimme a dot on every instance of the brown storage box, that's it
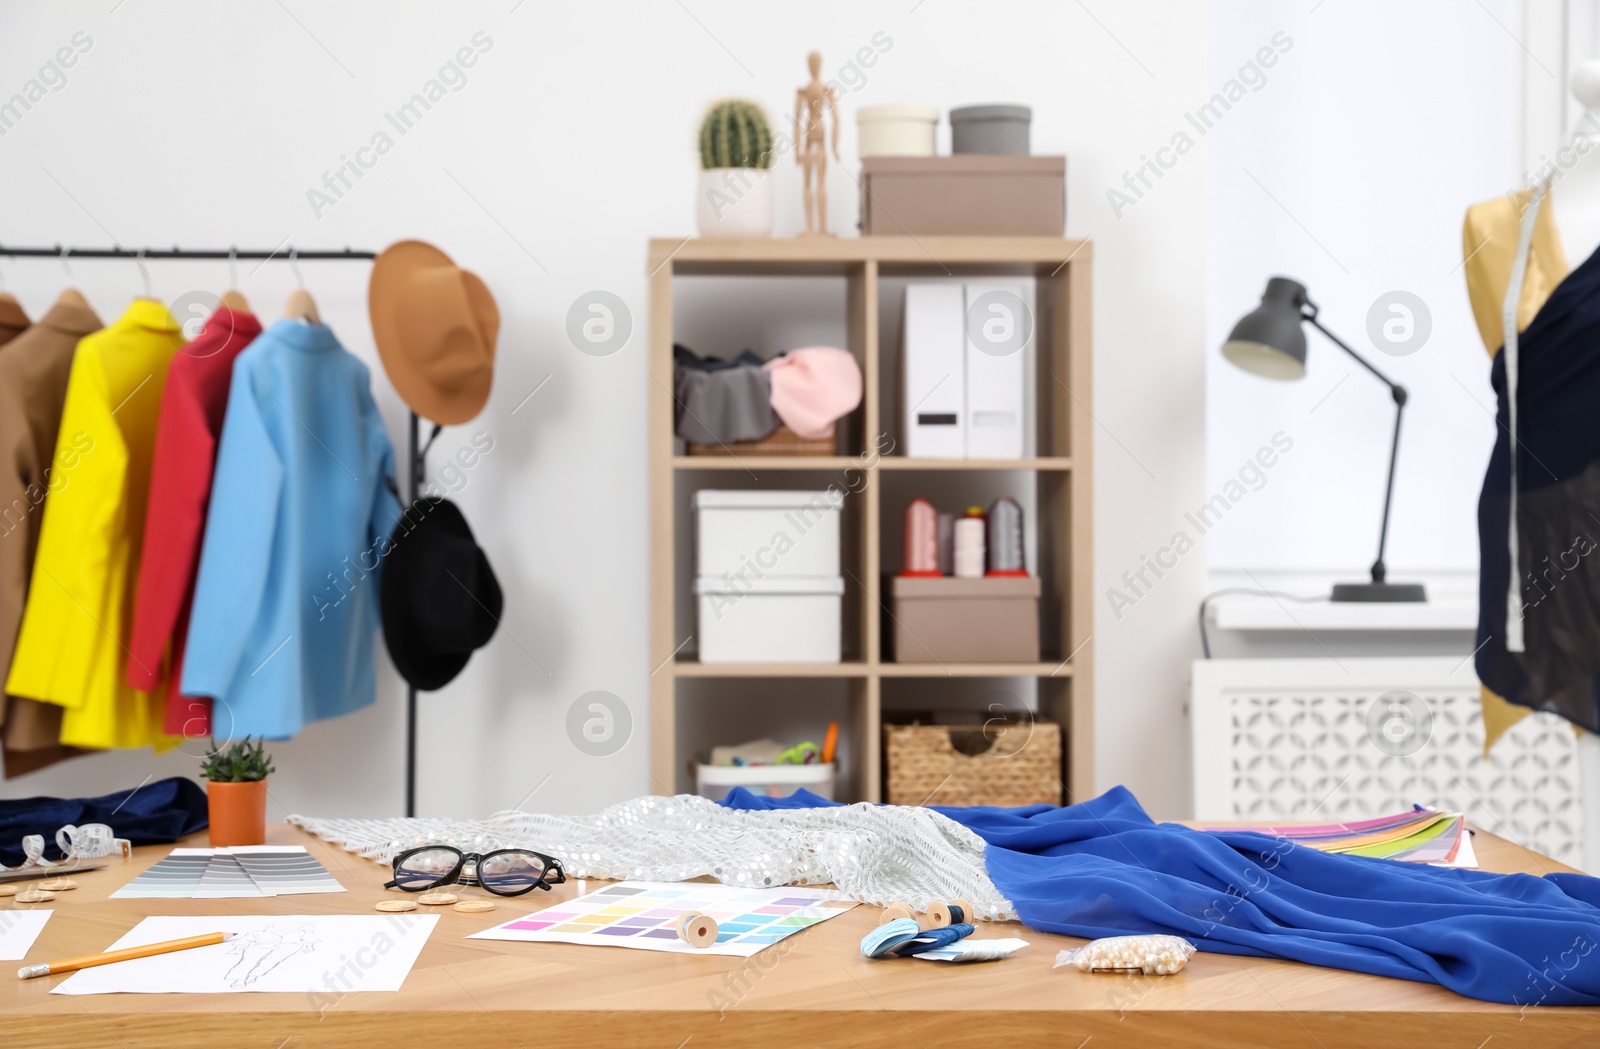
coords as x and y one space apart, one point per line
972 195
966 620
1018 763
782 441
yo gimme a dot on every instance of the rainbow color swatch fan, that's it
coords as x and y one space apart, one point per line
1422 835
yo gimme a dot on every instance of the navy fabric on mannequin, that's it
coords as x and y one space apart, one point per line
1105 868
1558 511
155 814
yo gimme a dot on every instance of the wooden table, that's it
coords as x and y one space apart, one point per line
813 989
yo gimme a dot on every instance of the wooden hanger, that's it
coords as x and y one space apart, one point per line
233 298
300 305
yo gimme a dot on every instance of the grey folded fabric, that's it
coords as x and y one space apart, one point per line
719 407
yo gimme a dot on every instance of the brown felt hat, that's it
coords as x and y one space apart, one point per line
435 325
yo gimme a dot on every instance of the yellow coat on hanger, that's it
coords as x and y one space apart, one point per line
71 649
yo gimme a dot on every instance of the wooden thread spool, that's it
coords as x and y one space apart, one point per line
968 914
697 930
895 911
938 915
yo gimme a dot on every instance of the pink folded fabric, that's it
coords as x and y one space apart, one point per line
813 387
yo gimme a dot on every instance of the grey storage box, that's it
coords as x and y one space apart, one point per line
988 620
969 195
990 129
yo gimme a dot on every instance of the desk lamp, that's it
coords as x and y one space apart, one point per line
1269 342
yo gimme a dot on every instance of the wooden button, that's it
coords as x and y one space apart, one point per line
35 896
474 906
437 899
397 905
58 884
9 890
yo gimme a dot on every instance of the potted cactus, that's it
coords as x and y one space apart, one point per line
236 792
735 191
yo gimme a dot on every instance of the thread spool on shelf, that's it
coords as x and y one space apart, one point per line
697 930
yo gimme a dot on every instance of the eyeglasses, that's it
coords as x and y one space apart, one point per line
504 872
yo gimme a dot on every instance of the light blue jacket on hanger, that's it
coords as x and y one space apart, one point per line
285 613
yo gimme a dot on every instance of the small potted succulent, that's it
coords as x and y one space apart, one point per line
734 198
236 792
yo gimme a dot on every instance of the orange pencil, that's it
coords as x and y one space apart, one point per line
830 742
28 972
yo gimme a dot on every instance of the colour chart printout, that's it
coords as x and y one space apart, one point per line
644 915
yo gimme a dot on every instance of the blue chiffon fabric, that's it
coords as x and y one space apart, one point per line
1104 868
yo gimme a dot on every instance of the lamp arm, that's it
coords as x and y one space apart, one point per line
1311 318
1398 393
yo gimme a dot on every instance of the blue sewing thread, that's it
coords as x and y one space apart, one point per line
886 937
935 938
957 915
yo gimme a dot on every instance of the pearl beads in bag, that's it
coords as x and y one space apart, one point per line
1154 955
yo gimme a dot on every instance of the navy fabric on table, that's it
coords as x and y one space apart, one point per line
1105 868
155 814
1558 511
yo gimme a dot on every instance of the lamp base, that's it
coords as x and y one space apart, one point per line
1379 593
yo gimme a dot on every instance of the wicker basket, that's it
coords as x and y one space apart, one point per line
1015 764
782 441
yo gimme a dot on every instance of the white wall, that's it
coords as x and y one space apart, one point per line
568 146
1351 170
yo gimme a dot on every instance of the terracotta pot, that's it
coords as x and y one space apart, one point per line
238 813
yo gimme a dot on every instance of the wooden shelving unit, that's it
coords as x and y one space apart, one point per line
1060 472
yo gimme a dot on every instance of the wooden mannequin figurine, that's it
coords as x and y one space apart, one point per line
811 105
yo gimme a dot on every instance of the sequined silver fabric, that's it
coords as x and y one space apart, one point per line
874 853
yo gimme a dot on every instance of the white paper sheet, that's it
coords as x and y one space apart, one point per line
18 930
328 954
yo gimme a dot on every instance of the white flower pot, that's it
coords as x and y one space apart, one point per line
734 202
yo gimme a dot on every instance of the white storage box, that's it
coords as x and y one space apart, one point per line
774 781
771 620
753 535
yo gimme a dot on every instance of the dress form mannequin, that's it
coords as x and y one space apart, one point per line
1575 173
1566 231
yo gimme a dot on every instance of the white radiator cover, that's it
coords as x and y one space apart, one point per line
1287 739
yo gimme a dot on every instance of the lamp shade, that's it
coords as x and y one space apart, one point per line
1268 341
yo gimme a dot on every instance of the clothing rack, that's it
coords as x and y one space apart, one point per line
417 456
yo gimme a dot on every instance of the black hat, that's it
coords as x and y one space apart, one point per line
439 598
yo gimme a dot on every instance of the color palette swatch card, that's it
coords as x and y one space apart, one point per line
284 870
240 872
174 876
226 879
644 915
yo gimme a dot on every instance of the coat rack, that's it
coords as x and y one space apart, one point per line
417 457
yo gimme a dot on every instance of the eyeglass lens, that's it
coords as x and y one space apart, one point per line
425 868
510 873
